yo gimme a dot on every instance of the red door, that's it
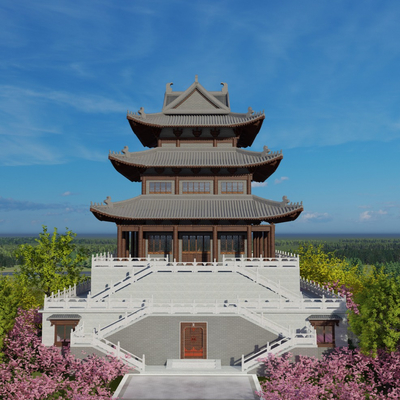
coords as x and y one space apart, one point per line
193 340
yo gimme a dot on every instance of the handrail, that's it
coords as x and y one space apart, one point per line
71 291
256 304
309 338
78 337
316 288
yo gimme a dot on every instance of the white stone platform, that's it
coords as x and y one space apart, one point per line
188 387
196 364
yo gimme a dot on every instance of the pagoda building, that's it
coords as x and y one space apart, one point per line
196 281
196 201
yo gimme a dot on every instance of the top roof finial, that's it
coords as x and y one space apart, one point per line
196 78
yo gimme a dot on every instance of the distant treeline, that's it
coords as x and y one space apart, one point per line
369 251
8 245
383 252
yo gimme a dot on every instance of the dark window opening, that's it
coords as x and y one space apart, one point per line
232 244
160 244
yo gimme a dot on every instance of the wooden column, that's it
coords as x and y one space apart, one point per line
123 244
269 243
140 242
143 185
249 247
258 242
248 184
265 244
133 244
119 241
215 243
176 186
215 185
272 240
175 243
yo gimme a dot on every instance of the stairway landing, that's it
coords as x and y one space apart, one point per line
188 386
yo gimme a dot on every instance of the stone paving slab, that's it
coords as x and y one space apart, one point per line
188 387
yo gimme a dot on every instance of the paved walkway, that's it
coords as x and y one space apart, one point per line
187 386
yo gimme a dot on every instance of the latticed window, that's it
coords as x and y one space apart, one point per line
196 187
232 188
195 243
160 187
161 244
232 244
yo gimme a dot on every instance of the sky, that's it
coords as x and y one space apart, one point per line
326 73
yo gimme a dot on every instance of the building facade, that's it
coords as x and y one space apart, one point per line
196 200
196 274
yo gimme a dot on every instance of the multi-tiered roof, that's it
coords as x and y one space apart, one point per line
196 134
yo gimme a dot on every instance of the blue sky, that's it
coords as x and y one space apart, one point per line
327 74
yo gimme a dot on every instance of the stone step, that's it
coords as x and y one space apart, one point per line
193 364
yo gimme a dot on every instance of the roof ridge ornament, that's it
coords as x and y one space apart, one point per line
285 201
142 113
168 88
266 150
126 151
108 201
224 89
249 112
196 78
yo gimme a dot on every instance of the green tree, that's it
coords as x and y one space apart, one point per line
14 295
377 324
55 262
326 268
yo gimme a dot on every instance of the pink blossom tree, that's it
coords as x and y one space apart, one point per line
344 374
34 371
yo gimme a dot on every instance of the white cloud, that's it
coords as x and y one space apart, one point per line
258 184
371 215
315 217
365 216
281 179
86 102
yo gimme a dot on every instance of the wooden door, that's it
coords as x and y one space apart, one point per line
196 247
194 340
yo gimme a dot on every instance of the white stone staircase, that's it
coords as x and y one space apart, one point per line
81 339
251 274
284 345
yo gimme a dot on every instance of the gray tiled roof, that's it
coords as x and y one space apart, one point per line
184 207
63 316
330 317
162 120
196 156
